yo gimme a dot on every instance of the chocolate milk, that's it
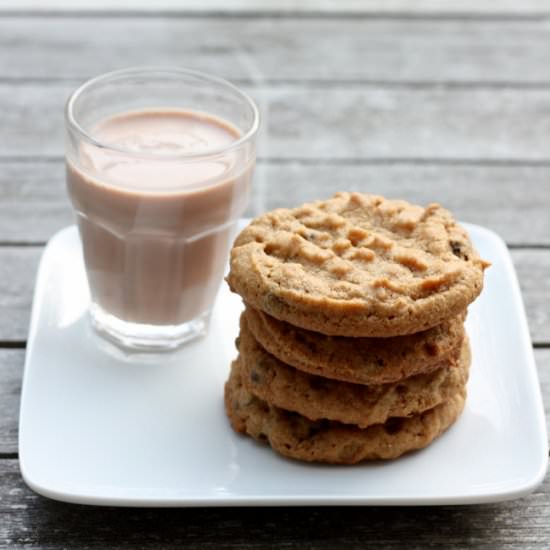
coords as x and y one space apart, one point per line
156 227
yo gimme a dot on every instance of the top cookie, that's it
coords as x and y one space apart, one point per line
357 265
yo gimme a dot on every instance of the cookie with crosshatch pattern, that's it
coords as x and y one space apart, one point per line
357 265
294 436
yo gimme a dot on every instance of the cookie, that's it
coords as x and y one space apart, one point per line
315 397
295 436
357 265
358 360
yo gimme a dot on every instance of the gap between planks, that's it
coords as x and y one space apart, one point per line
9 456
404 15
15 344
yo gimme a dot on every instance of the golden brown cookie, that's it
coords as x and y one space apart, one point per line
315 397
357 265
295 436
357 360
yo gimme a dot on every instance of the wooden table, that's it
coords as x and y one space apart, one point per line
450 106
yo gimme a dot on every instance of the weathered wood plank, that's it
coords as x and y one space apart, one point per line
27 520
18 270
11 373
311 122
356 7
542 357
34 203
533 269
488 195
460 51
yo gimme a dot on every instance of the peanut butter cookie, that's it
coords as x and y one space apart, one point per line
295 436
316 398
357 360
357 265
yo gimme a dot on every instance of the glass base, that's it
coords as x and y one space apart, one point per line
140 337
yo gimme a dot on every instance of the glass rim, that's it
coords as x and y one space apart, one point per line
74 125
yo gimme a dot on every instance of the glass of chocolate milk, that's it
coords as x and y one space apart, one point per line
159 167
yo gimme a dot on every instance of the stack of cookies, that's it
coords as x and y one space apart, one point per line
352 344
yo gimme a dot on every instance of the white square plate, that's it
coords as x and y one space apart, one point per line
97 429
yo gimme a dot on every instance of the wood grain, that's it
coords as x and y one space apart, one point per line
511 200
28 520
533 269
18 268
483 8
11 373
265 49
542 357
345 123
34 201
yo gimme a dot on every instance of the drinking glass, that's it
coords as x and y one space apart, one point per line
159 164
